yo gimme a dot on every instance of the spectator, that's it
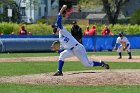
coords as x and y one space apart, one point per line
1 33
76 32
87 32
92 31
79 8
29 33
12 33
106 31
22 31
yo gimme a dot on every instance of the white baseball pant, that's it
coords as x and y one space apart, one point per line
78 51
120 48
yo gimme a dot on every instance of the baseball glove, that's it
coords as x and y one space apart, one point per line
124 46
55 46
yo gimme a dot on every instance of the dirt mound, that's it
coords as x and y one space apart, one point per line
98 77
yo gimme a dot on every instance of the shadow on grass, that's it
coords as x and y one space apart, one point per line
83 72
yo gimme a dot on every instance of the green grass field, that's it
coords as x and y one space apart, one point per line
19 88
17 68
11 69
24 68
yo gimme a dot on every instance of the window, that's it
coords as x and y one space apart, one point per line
23 1
52 1
39 11
43 2
23 13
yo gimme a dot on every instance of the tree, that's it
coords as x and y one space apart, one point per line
69 3
15 11
113 8
135 18
15 5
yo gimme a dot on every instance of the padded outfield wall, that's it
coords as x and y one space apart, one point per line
101 43
42 43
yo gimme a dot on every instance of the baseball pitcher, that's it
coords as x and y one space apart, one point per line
122 44
71 47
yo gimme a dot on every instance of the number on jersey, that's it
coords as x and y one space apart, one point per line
66 39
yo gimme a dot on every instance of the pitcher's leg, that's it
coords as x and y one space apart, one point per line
84 60
63 55
80 53
82 56
60 65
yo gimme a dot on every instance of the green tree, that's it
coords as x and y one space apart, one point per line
112 8
15 6
135 18
69 3
15 11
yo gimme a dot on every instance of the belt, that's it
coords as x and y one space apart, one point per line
73 47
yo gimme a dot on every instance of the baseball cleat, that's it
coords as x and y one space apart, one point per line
58 73
119 57
130 57
106 66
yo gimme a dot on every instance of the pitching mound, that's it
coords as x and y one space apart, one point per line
98 77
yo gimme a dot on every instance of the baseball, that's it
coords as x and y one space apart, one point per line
65 6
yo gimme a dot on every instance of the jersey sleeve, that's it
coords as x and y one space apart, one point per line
126 40
117 41
59 21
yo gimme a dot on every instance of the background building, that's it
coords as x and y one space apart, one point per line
31 10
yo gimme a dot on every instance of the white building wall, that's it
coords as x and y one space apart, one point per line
49 7
55 7
33 13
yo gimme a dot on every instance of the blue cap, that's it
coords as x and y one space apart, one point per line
121 33
54 26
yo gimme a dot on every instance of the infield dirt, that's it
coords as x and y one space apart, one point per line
94 77
55 58
97 77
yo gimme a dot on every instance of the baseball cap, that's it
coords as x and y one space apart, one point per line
121 33
74 22
54 26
